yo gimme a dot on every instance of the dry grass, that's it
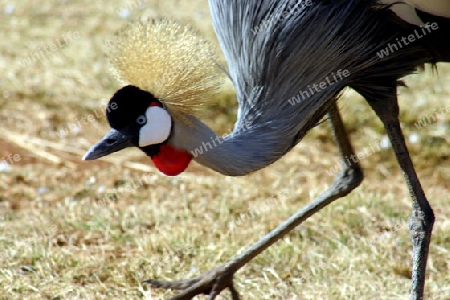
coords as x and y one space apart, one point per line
59 239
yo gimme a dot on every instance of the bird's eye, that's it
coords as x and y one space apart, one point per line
141 120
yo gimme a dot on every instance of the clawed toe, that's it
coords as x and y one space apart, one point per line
172 285
211 283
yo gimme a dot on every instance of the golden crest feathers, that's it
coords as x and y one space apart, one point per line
167 59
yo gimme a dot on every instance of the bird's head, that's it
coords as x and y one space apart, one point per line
138 119
169 72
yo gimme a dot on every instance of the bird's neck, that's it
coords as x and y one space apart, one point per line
236 154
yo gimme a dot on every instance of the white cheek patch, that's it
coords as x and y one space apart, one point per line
157 128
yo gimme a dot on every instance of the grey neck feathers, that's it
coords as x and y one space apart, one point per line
222 154
247 149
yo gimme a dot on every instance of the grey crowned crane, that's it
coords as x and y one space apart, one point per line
274 49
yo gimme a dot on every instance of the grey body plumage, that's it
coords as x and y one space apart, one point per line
272 66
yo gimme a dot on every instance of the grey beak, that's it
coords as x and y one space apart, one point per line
112 142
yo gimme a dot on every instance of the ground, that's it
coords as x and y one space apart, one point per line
62 238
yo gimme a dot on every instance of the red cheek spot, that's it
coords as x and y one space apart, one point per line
171 161
154 103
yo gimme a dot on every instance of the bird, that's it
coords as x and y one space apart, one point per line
289 62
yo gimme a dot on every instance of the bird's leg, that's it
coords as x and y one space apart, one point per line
422 218
220 278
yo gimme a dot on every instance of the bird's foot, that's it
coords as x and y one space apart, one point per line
211 283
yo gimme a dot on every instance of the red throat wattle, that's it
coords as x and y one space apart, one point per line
171 161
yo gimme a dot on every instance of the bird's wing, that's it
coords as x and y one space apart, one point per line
258 39
236 24
270 45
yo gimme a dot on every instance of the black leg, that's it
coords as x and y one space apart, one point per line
422 218
220 278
